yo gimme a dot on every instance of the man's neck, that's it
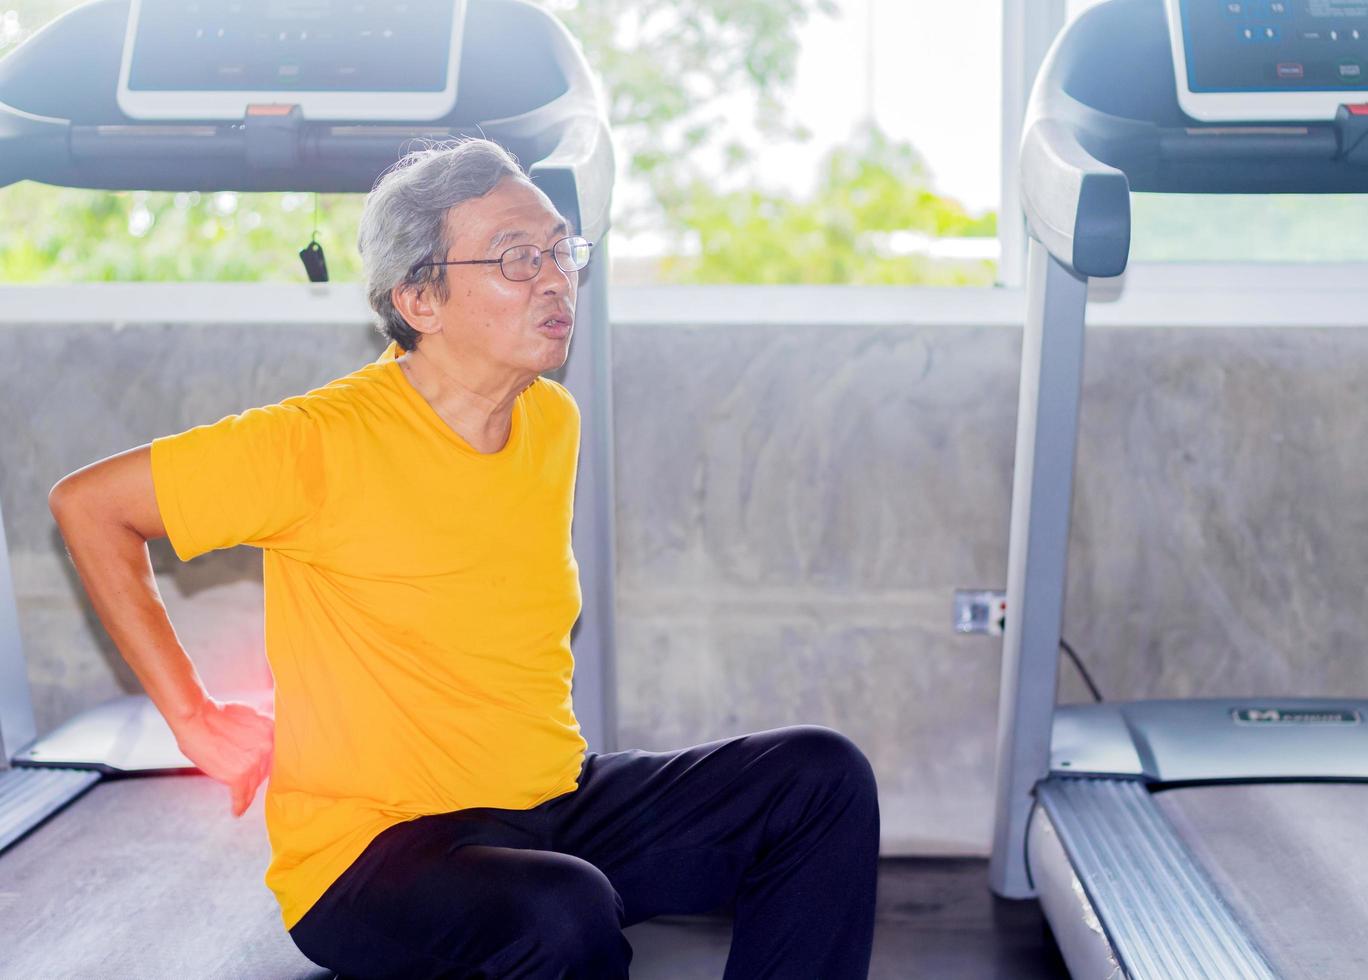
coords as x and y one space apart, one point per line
479 410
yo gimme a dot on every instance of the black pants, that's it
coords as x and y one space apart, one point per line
784 823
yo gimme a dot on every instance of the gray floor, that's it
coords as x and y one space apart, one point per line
936 919
151 878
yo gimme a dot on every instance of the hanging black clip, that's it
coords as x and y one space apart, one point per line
312 254
314 262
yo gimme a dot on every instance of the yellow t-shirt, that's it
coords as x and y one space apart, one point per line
419 599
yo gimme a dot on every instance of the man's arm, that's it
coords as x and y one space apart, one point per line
107 512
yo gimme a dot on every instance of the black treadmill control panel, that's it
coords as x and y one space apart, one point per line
283 45
1276 45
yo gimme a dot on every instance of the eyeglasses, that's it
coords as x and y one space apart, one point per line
523 262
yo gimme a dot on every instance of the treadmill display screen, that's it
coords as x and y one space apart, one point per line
1276 45
291 45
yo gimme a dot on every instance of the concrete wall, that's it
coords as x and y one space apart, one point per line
795 506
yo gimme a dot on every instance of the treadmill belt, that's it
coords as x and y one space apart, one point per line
146 879
1291 861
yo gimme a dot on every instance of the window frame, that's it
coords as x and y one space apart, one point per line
1029 27
1190 294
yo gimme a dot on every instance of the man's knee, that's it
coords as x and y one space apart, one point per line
828 756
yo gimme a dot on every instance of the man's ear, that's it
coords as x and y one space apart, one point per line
414 303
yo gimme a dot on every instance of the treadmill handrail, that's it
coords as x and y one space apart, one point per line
1076 205
30 141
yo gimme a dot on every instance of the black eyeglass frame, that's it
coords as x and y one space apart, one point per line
513 248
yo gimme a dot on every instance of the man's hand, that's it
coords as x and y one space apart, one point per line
232 742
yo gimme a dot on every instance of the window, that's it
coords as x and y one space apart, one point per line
885 168
761 141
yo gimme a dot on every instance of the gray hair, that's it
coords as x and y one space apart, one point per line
404 220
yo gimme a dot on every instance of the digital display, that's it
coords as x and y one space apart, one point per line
1276 45
291 45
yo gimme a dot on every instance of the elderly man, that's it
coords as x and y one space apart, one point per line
432 809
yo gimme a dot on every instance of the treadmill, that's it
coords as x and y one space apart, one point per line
514 75
1169 839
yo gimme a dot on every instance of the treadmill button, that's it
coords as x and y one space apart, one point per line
1351 71
1290 70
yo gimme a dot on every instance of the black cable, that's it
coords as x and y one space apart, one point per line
1069 652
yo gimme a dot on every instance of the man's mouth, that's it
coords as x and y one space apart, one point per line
557 326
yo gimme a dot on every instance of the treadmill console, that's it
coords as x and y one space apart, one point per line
1269 60
357 60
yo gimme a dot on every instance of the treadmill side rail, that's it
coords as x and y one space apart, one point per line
30 796
17 726
1077 930
1161 913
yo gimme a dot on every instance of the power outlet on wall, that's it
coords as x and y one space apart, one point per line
980 611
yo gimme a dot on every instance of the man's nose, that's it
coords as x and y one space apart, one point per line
551 278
